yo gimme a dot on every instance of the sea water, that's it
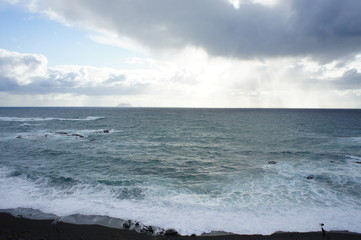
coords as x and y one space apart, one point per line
246 171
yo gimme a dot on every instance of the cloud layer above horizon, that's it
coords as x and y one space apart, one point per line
324 29
199 53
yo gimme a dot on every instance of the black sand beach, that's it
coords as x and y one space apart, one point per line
21 228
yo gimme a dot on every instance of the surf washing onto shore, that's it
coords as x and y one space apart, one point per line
243 171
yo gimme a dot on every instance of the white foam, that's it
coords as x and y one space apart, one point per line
357 158
18 119
244 208
356 139
29 124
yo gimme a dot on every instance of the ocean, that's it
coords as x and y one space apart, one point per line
243 171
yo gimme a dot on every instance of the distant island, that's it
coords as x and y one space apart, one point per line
123 105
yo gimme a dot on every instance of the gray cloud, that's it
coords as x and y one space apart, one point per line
323 29
67 83
350 80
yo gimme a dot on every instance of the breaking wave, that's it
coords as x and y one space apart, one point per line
37 119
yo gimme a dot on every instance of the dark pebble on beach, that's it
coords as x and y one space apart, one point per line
127 224
171 232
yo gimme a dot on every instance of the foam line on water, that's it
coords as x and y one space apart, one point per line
39 119
59 134
29 124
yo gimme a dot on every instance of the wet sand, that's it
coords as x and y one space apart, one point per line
22 228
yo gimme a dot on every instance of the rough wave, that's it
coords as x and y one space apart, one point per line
186 212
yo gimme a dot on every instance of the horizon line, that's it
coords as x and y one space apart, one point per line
149 107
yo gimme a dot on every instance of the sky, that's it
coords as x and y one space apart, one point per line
181 53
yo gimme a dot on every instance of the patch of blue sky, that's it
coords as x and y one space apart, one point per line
23 31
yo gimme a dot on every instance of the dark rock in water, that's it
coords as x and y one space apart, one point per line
19 136
358 162
171 232
160 231
77 135
105 131
62 133
310 177
147 229
127 224
92 139
272 162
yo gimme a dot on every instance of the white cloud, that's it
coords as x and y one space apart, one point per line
190 78
119 41
29 73
21 68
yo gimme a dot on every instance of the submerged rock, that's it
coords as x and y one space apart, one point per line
61 133
77 135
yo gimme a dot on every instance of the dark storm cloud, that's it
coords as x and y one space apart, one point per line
327 28
350 80
324 29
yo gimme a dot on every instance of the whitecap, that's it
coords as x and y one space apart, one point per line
29 124
39 119
352 157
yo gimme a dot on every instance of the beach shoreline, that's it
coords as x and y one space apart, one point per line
12 227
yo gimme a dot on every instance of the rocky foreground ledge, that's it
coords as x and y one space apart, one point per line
19 228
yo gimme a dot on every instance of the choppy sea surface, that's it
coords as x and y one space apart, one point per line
247 171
